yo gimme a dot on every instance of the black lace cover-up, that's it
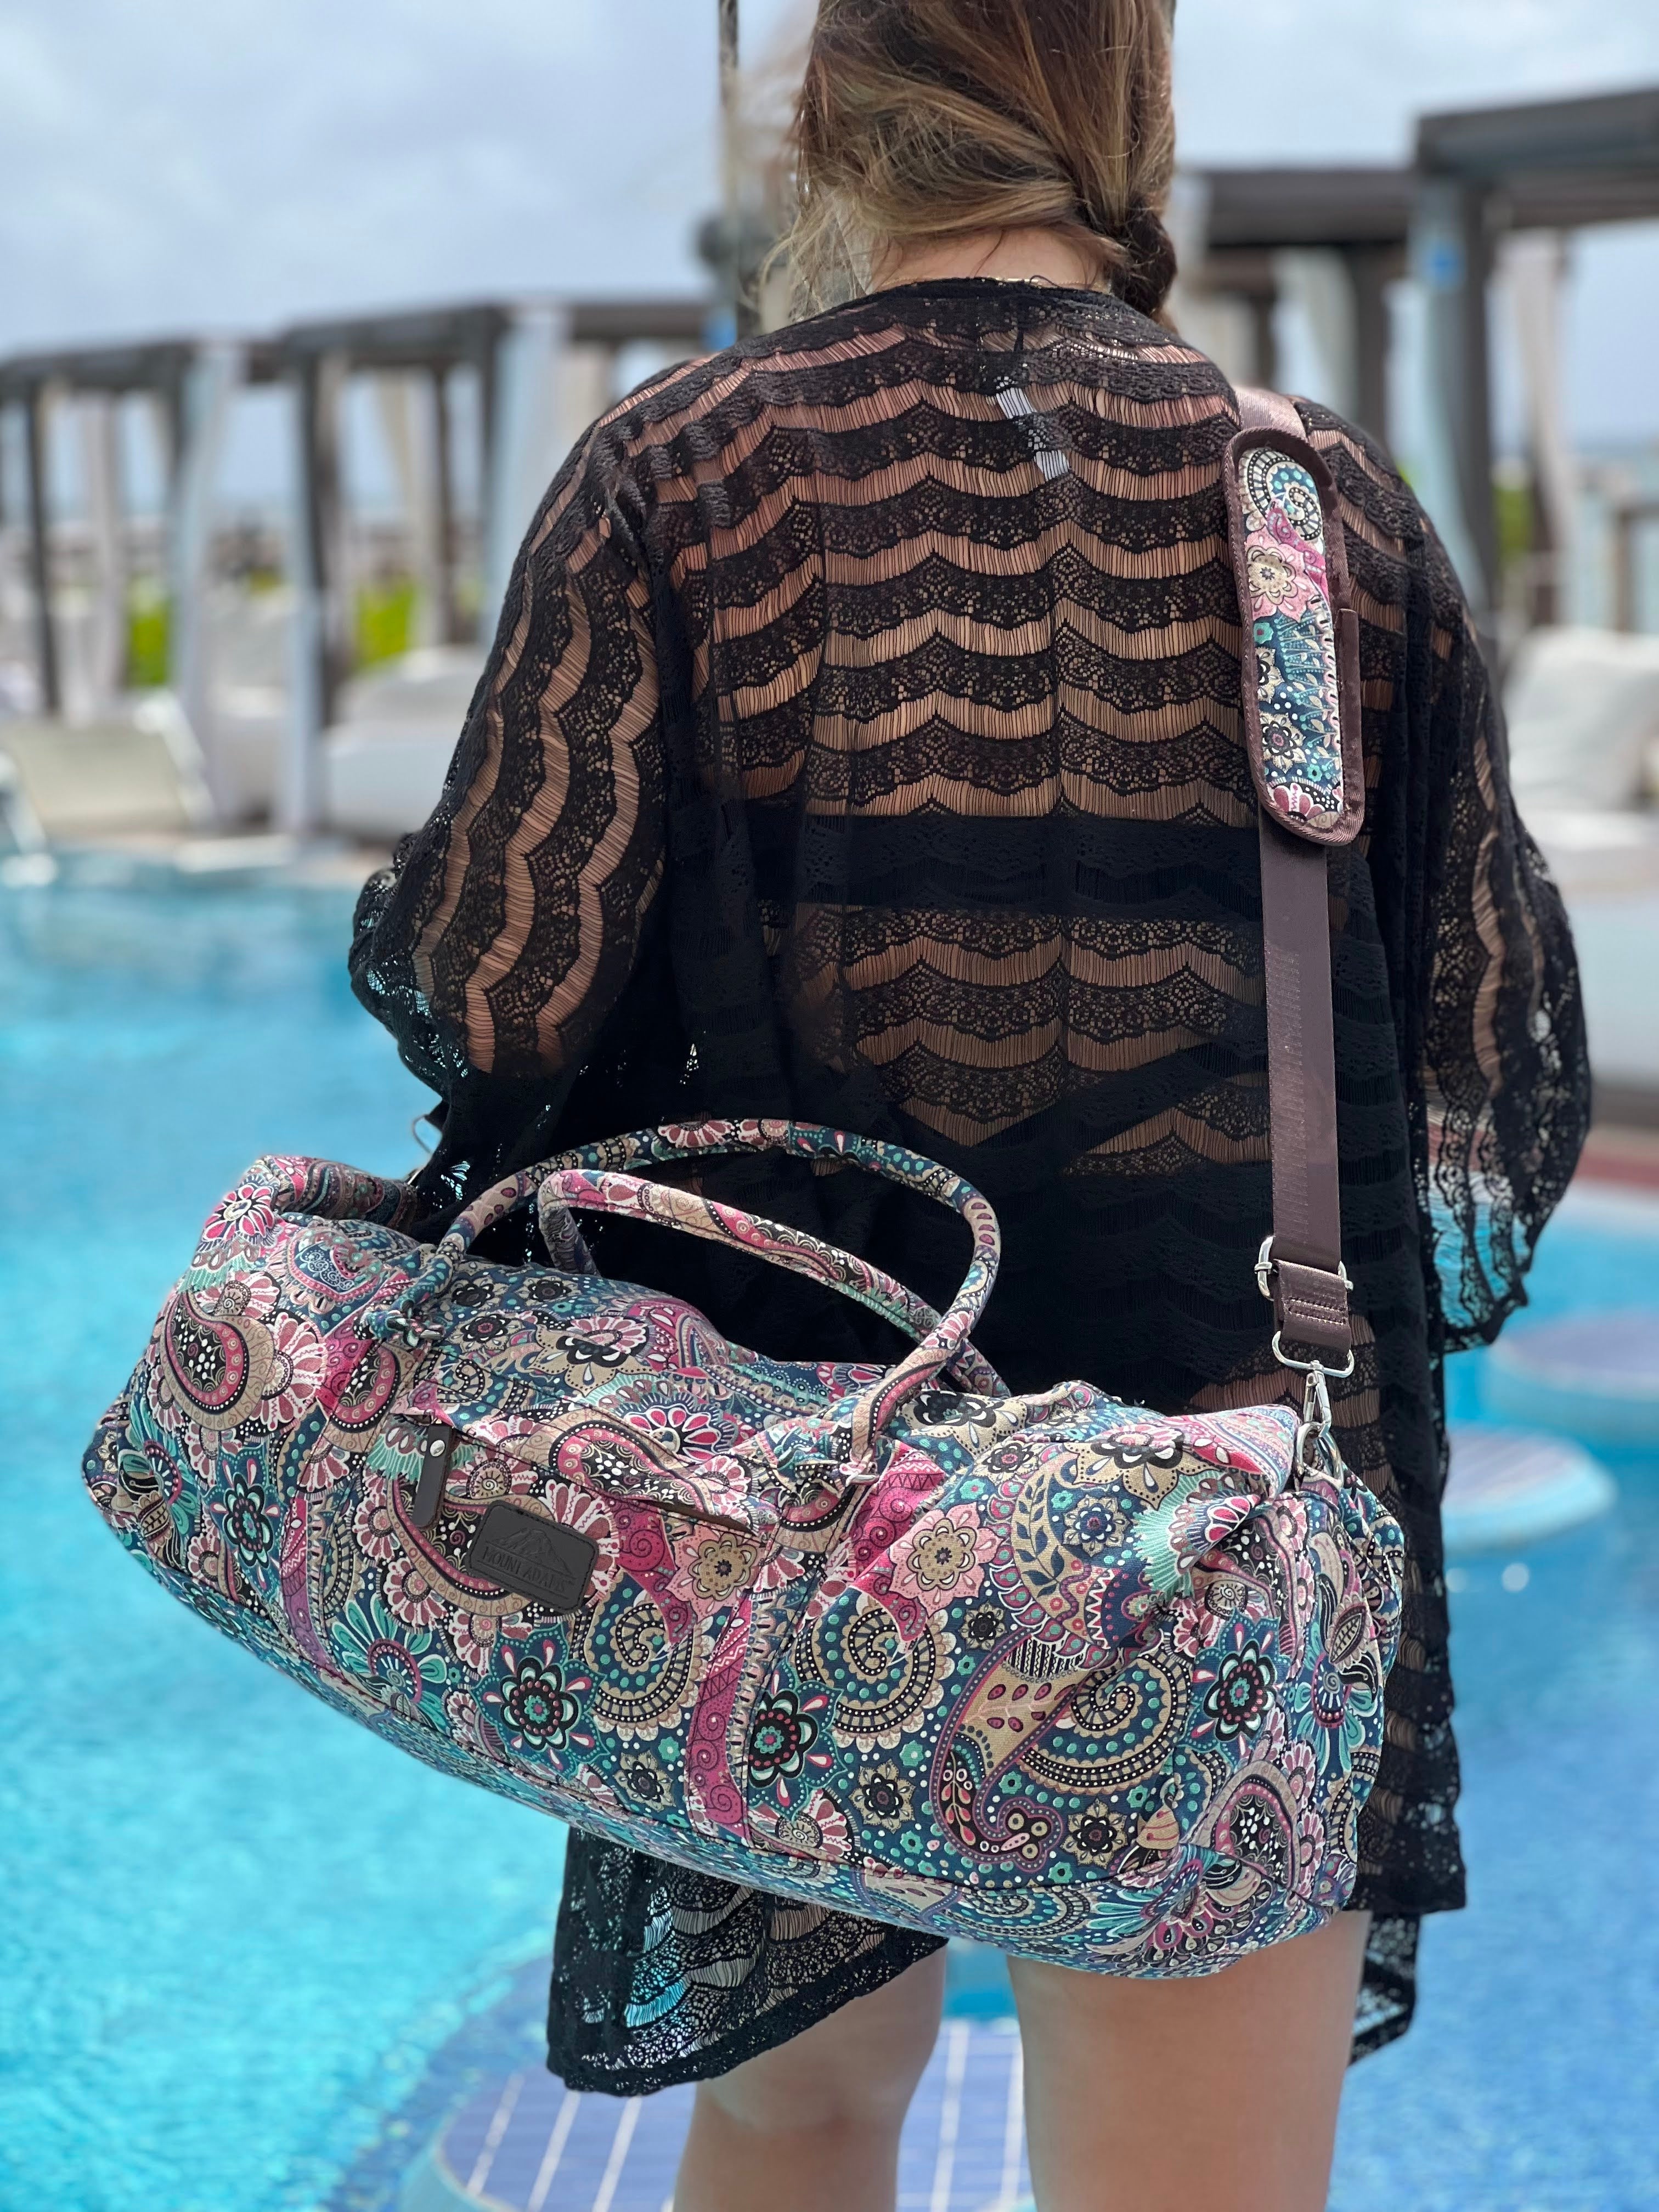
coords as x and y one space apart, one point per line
862 743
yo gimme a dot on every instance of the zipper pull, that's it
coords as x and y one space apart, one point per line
437 1448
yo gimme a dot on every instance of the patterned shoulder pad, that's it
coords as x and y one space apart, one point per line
1302 710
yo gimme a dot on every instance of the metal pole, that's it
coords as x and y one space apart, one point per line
744 316
34 432
450 631
1370 268
1452 257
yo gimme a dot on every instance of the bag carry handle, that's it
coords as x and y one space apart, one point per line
593 1177
591 1190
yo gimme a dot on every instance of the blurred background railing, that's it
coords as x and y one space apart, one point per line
186 665
259 622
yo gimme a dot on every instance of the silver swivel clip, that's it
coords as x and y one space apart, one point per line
1313 1446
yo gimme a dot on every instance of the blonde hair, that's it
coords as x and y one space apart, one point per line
930 120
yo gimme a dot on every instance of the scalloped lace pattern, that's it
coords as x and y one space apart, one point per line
845 756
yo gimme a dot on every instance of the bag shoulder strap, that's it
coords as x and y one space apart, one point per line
1301 663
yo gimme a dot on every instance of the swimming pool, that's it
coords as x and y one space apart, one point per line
239 1931
235 1923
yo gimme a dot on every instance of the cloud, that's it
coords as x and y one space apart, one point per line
1290 80
233 164
219 162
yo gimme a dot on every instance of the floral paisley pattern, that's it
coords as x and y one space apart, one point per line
537 1712
680 1428
1239 1695
600 1349
884 1796
1053 1672
403 1667
411 1597
298 1364
941 1555
1293 629
780 1736
248 1515
719 1565
244 1211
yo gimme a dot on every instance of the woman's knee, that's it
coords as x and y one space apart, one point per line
857 2070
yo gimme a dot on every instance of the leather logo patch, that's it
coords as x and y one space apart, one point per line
539 1559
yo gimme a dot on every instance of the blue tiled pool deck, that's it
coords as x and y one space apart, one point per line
255 1962
523 2143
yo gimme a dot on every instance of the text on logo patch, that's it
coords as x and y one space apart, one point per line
539 1559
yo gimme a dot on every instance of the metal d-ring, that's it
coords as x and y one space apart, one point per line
1308 1366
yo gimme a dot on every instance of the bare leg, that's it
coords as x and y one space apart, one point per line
814 2126
1161 2096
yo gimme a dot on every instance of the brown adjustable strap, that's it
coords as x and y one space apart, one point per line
1305 1277
1301 1264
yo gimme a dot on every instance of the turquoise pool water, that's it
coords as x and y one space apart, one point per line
240 1932
235 1924
1531 2082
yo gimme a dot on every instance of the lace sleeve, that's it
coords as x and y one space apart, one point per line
505 930
1506 1075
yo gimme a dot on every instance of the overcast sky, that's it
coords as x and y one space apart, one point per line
235 163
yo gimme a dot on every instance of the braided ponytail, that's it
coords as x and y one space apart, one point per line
1149 267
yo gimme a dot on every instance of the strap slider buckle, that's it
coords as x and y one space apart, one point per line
1266 1265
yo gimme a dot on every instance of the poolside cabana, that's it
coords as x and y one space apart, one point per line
188 381
1360 216
542 368
1479 177
1547 165
1343 234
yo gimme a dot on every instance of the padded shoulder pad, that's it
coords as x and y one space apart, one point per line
1302 710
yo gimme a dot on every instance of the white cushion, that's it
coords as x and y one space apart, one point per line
381 779
433 684
1584 710
141 772
385 760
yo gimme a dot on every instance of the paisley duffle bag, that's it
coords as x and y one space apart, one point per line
1090 1683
